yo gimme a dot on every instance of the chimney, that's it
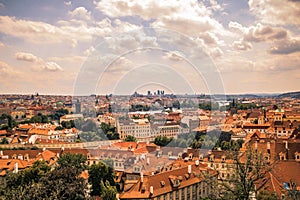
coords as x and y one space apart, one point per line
197 162
142 177
151 190
16 168
189 169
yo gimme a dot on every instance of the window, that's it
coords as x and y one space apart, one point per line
194 191
171 195
223 158
182 193
201 157
177 195
188 193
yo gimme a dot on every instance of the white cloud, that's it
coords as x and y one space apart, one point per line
51 66
216 52
209 38
259 32
5 69
67 32
185 16
281 12
120 65
35 32
29 57
241 45
286 47
130 41
191 18
215 5
145 9
68 3
89 51
39 62
174 56
81 13
125 26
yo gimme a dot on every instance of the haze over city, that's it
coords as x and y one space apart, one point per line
46 45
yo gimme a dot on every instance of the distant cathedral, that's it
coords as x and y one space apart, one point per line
233 107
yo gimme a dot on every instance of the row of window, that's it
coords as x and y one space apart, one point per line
193 192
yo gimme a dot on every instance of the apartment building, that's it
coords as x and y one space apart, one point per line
139 128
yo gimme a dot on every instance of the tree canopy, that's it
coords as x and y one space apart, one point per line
130 138
100 173
73 161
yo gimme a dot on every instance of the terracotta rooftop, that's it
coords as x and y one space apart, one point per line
164 182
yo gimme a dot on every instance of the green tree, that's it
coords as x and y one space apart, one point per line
36 172
40 118
10 122
63 184
108 191
68 124
130 138
162 140
97 173
4 141
59 128
73 161
39 182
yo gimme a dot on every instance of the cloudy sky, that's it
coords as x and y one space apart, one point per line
120 46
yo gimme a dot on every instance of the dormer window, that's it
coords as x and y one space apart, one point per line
201 157
176 183
136 169
267 157
223 158
211 158
282 156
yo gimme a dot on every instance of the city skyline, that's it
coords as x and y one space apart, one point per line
252 46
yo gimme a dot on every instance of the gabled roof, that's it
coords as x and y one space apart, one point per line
282 172
163 183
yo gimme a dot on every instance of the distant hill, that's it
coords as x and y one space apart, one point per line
290 94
